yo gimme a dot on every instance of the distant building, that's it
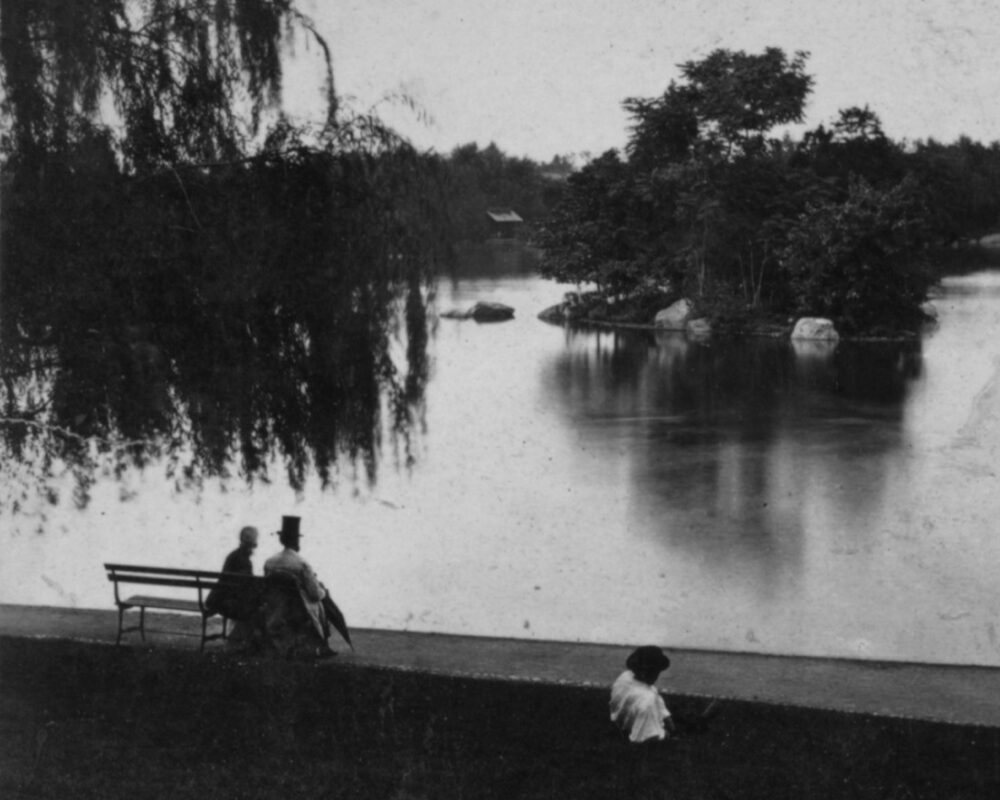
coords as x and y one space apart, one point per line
504 223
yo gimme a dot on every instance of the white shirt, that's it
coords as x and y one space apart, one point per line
637 708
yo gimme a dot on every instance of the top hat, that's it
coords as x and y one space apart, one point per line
648 658
289 529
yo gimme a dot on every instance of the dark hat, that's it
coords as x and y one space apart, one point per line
289 529
648 658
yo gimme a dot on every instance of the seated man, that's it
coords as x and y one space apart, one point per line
286 625
235 600
636 706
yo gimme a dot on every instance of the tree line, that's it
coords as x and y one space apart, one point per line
707 202
481 179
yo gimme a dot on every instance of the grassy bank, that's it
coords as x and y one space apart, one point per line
80 720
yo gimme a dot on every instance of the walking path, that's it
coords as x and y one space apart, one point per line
961 695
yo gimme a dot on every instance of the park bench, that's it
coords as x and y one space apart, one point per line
201 581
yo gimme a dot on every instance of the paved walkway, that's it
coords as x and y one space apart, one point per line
964 695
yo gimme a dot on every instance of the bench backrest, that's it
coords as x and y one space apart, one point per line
199 579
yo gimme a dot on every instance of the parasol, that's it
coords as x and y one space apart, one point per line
336 618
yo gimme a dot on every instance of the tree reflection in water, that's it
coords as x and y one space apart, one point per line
721 435
219 318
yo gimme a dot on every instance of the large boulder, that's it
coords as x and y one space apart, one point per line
556 314
482 312
490 312
673 318
816 328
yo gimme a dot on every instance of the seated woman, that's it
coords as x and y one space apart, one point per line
295 619
636 706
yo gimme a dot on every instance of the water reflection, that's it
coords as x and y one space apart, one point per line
494 260
221 394
722 438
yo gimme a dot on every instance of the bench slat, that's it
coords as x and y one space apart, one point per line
173 604
185 583
160 570
189 579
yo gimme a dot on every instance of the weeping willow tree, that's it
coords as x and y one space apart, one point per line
187 79
187 277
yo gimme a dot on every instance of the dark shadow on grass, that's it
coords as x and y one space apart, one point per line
84 720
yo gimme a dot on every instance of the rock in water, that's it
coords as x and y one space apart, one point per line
481 312
490 312
554 313
815 328
674 317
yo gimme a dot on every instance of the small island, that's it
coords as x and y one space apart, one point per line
710 223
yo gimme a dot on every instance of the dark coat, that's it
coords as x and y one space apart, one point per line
234 600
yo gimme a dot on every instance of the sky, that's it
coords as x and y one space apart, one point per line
547 77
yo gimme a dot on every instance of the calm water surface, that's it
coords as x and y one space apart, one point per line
625 487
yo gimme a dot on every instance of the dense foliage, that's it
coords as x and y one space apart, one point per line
708 203
857 260
189 283
961 183
187 80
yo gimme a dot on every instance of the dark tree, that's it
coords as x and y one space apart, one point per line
854 146
725 106
961 185
595 235
186 79
184 283
861 261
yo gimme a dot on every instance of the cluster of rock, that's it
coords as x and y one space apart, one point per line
681 316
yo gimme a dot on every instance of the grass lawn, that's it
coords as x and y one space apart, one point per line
80 720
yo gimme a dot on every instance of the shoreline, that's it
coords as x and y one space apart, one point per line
550 317
983 252
934 693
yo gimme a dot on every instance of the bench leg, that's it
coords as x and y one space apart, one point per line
204 632
142 622
121 615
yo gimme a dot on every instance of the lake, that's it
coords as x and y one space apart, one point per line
627 487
